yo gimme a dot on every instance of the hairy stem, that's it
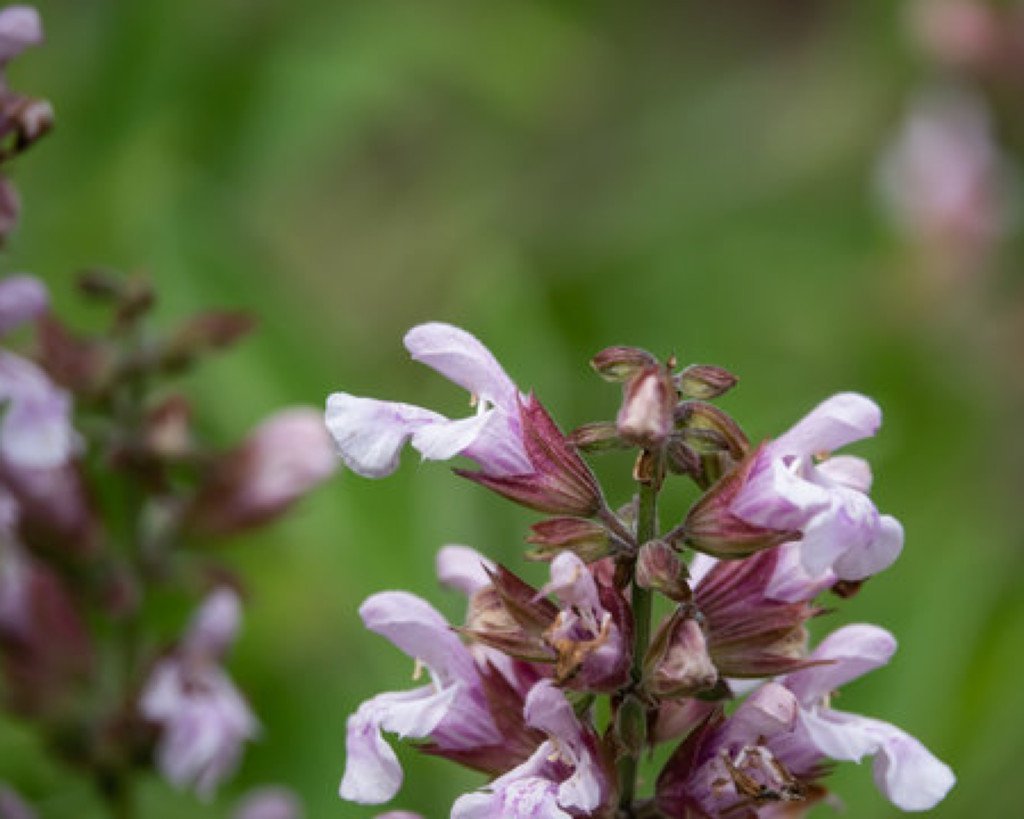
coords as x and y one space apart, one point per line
646 529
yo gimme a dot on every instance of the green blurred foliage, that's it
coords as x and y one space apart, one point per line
555 177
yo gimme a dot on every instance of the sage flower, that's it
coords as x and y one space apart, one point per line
519 449
203 718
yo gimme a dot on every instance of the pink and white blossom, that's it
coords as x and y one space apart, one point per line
35 430
563 778
20 28
795 485
451 710
270 802
284 458
781 735
204 720
521 453
906 772
370 433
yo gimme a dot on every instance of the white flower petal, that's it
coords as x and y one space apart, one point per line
909 774
370 434
463 569
462 359
847 470
442 440
835 422
863 560
372 772
848 653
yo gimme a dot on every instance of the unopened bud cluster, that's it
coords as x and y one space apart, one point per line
727 674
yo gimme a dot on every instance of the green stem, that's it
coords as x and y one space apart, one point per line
122 804
641 599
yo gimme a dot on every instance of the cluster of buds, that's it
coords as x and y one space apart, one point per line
109 501
513 692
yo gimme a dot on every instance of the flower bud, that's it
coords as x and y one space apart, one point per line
214 626
285 457
597 437
677 663
658 567
206 332
618 364
682 459
84 366
589 540
705 382
168 431
45 649
57 514
708 429
631 726
29 119
646 415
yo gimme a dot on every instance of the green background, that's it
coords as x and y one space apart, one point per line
691 177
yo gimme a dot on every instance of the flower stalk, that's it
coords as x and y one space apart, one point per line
773 527
641 601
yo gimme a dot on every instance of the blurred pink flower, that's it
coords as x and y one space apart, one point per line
35 431
203 718
12 806
944 180
271 802
286 456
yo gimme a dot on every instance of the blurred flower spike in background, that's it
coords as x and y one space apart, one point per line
553 660
103 484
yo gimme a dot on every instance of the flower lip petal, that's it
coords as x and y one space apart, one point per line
463 359
847 470
214 625
547 710
835 422
846 654
838 735
370 433
770 710
445 439
572 582
36 427
909 774
419 630
861 561
372 772
20 28
22 298
463 569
